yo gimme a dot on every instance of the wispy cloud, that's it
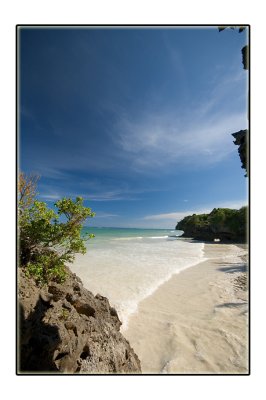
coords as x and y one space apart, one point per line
49 197
51 172
174 216
91 190
114 195
105 215
160 140
195 132
104 196
178 215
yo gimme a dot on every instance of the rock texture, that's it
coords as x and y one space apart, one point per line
64 328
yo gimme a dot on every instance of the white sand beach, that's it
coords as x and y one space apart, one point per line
197 322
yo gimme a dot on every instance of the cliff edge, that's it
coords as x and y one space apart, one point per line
64 328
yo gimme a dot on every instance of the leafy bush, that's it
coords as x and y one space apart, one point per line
45 242
47 268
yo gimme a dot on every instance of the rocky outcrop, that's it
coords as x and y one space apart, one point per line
64 328
241 139
222 223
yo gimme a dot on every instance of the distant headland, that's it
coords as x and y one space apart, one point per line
225 224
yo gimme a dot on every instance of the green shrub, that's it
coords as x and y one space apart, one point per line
46 268
45 242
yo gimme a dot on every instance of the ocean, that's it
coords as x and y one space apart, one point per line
127 265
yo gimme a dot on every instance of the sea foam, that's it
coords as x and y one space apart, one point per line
129 270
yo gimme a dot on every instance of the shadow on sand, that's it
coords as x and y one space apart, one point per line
231 305
233 268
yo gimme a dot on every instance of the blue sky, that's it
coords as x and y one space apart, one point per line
136 121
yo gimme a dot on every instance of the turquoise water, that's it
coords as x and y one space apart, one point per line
104 235
128 265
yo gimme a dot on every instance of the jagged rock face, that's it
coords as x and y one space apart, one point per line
241 138
64 328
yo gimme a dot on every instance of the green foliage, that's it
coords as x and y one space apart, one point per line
235 220
36 270
227 221
64 314
195 220
48 238
46 267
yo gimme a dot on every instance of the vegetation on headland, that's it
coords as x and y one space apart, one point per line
222 223
48 238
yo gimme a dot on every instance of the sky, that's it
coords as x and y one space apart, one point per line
137 121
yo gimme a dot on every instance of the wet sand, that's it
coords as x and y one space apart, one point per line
197 322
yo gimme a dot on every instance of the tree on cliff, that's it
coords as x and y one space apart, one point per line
245 49
242 136
45 242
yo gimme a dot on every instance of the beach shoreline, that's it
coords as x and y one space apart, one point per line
197 321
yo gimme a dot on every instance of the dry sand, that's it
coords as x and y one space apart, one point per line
196 322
